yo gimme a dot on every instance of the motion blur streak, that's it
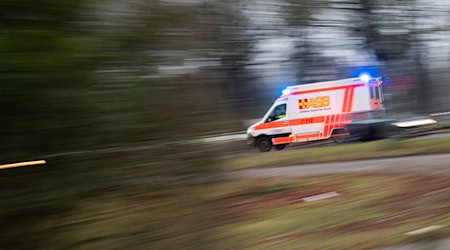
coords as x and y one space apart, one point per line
415 123
22 164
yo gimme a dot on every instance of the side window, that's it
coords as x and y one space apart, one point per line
278 112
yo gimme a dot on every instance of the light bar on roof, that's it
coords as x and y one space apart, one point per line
286 92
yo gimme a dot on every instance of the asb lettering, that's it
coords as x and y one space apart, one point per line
314 102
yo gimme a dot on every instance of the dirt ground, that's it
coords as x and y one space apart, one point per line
412 192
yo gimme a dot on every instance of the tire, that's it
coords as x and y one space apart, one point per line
264 144
338 138
280 146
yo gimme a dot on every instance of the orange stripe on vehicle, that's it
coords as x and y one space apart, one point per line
331 122
325 130
338 120
330 125
350 102
344 105
374 100
307 136
327 89
282 140
294 122
380 99
275 124
304 121
330 129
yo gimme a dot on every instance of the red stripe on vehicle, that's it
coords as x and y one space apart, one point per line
332 124
344 105
307 136
338 120
325 130
352 95
287 123
282 140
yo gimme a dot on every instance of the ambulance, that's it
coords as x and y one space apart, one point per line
316 111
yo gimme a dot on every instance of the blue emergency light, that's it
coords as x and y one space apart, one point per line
286 92
365 77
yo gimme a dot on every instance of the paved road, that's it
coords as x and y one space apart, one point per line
423 164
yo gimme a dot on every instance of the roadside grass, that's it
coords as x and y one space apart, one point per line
88 202
355 151
362 217
371 211
443 124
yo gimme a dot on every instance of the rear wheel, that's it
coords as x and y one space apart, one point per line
280 146
264 144
340 136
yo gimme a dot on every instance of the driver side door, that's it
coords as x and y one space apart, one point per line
276 122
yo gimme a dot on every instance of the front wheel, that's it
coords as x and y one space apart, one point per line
264 144
280 146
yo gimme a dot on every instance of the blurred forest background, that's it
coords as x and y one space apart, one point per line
94 74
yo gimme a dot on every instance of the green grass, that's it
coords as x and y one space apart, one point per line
356 151
443 124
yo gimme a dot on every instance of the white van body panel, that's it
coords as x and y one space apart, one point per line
315 110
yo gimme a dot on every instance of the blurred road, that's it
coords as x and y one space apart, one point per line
423 164
242 137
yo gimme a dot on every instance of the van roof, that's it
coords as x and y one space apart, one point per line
308 86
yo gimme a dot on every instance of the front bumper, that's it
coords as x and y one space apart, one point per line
250 140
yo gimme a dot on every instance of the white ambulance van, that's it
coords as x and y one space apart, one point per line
316 111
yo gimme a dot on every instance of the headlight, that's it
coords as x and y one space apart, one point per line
250 130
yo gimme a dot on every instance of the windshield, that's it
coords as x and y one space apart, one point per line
279 112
